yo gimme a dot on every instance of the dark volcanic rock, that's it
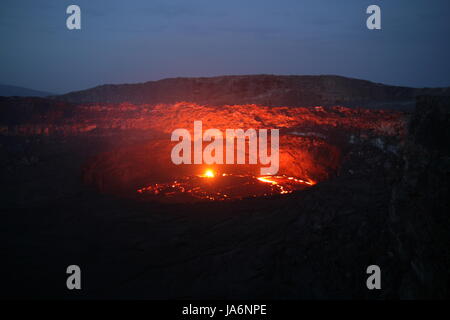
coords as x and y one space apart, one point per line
268 90
419 217
13 91
22 110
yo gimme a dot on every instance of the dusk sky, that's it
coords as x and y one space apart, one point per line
142 40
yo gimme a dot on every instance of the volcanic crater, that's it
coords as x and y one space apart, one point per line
347 177
312 142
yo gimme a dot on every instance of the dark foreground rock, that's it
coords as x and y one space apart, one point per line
419 216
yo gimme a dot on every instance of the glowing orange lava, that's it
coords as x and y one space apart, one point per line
208 174
280 182
226 186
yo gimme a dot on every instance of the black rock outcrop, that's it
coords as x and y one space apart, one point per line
268 90
419 214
